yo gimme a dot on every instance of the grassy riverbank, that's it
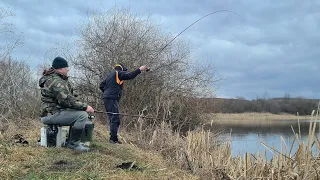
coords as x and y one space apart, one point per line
157 153
252 117
21 161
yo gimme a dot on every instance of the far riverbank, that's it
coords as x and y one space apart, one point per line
223 118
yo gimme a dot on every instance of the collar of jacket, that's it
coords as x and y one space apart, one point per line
54 72
60 75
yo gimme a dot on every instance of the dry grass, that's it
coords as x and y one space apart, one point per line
197 155
201 153
287 162
34 162
249 118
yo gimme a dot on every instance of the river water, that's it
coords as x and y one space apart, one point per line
248 137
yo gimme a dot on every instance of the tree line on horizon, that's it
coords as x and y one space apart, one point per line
286 104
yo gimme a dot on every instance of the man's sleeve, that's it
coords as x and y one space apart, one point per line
65 98
102 85
123 75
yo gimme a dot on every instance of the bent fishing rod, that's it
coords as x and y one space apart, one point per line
166 45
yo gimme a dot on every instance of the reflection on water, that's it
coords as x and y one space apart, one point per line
248 137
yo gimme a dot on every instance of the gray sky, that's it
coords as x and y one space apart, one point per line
275 54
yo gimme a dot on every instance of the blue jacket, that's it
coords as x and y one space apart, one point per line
112 85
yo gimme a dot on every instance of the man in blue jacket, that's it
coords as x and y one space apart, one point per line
112 92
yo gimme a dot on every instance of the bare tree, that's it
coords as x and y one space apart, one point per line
8 37
18 94
166 91
18 97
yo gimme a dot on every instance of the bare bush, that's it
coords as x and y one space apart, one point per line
18 94
8 37
165 91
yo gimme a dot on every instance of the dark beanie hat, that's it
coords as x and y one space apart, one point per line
59 63
121 67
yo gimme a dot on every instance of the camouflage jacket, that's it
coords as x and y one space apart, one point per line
57 94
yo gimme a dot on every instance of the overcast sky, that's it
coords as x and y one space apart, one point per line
276 53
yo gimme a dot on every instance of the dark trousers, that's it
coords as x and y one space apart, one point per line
112 106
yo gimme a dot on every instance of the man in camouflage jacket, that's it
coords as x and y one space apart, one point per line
60 106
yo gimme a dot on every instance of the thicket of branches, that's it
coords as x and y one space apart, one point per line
18 94
8 37
121 37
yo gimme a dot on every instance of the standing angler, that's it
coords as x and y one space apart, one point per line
112 92
60 106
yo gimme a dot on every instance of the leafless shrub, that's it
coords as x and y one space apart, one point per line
9 40
119 36
18 94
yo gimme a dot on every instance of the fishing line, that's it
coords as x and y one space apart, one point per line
192 25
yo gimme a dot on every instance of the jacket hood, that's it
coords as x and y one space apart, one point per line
49 73
44 78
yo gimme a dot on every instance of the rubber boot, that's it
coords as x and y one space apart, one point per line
74 140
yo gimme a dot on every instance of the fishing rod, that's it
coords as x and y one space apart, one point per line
192 25
122 114
146 117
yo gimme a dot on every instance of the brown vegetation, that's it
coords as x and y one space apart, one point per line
164 92
21 161
287 105
252 117
198 153
168 92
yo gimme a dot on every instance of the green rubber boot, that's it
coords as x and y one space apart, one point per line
74 140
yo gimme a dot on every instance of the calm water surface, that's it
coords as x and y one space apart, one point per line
248 137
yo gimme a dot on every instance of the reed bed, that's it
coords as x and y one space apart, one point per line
204 155
211 159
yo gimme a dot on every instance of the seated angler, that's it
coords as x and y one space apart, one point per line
60 106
